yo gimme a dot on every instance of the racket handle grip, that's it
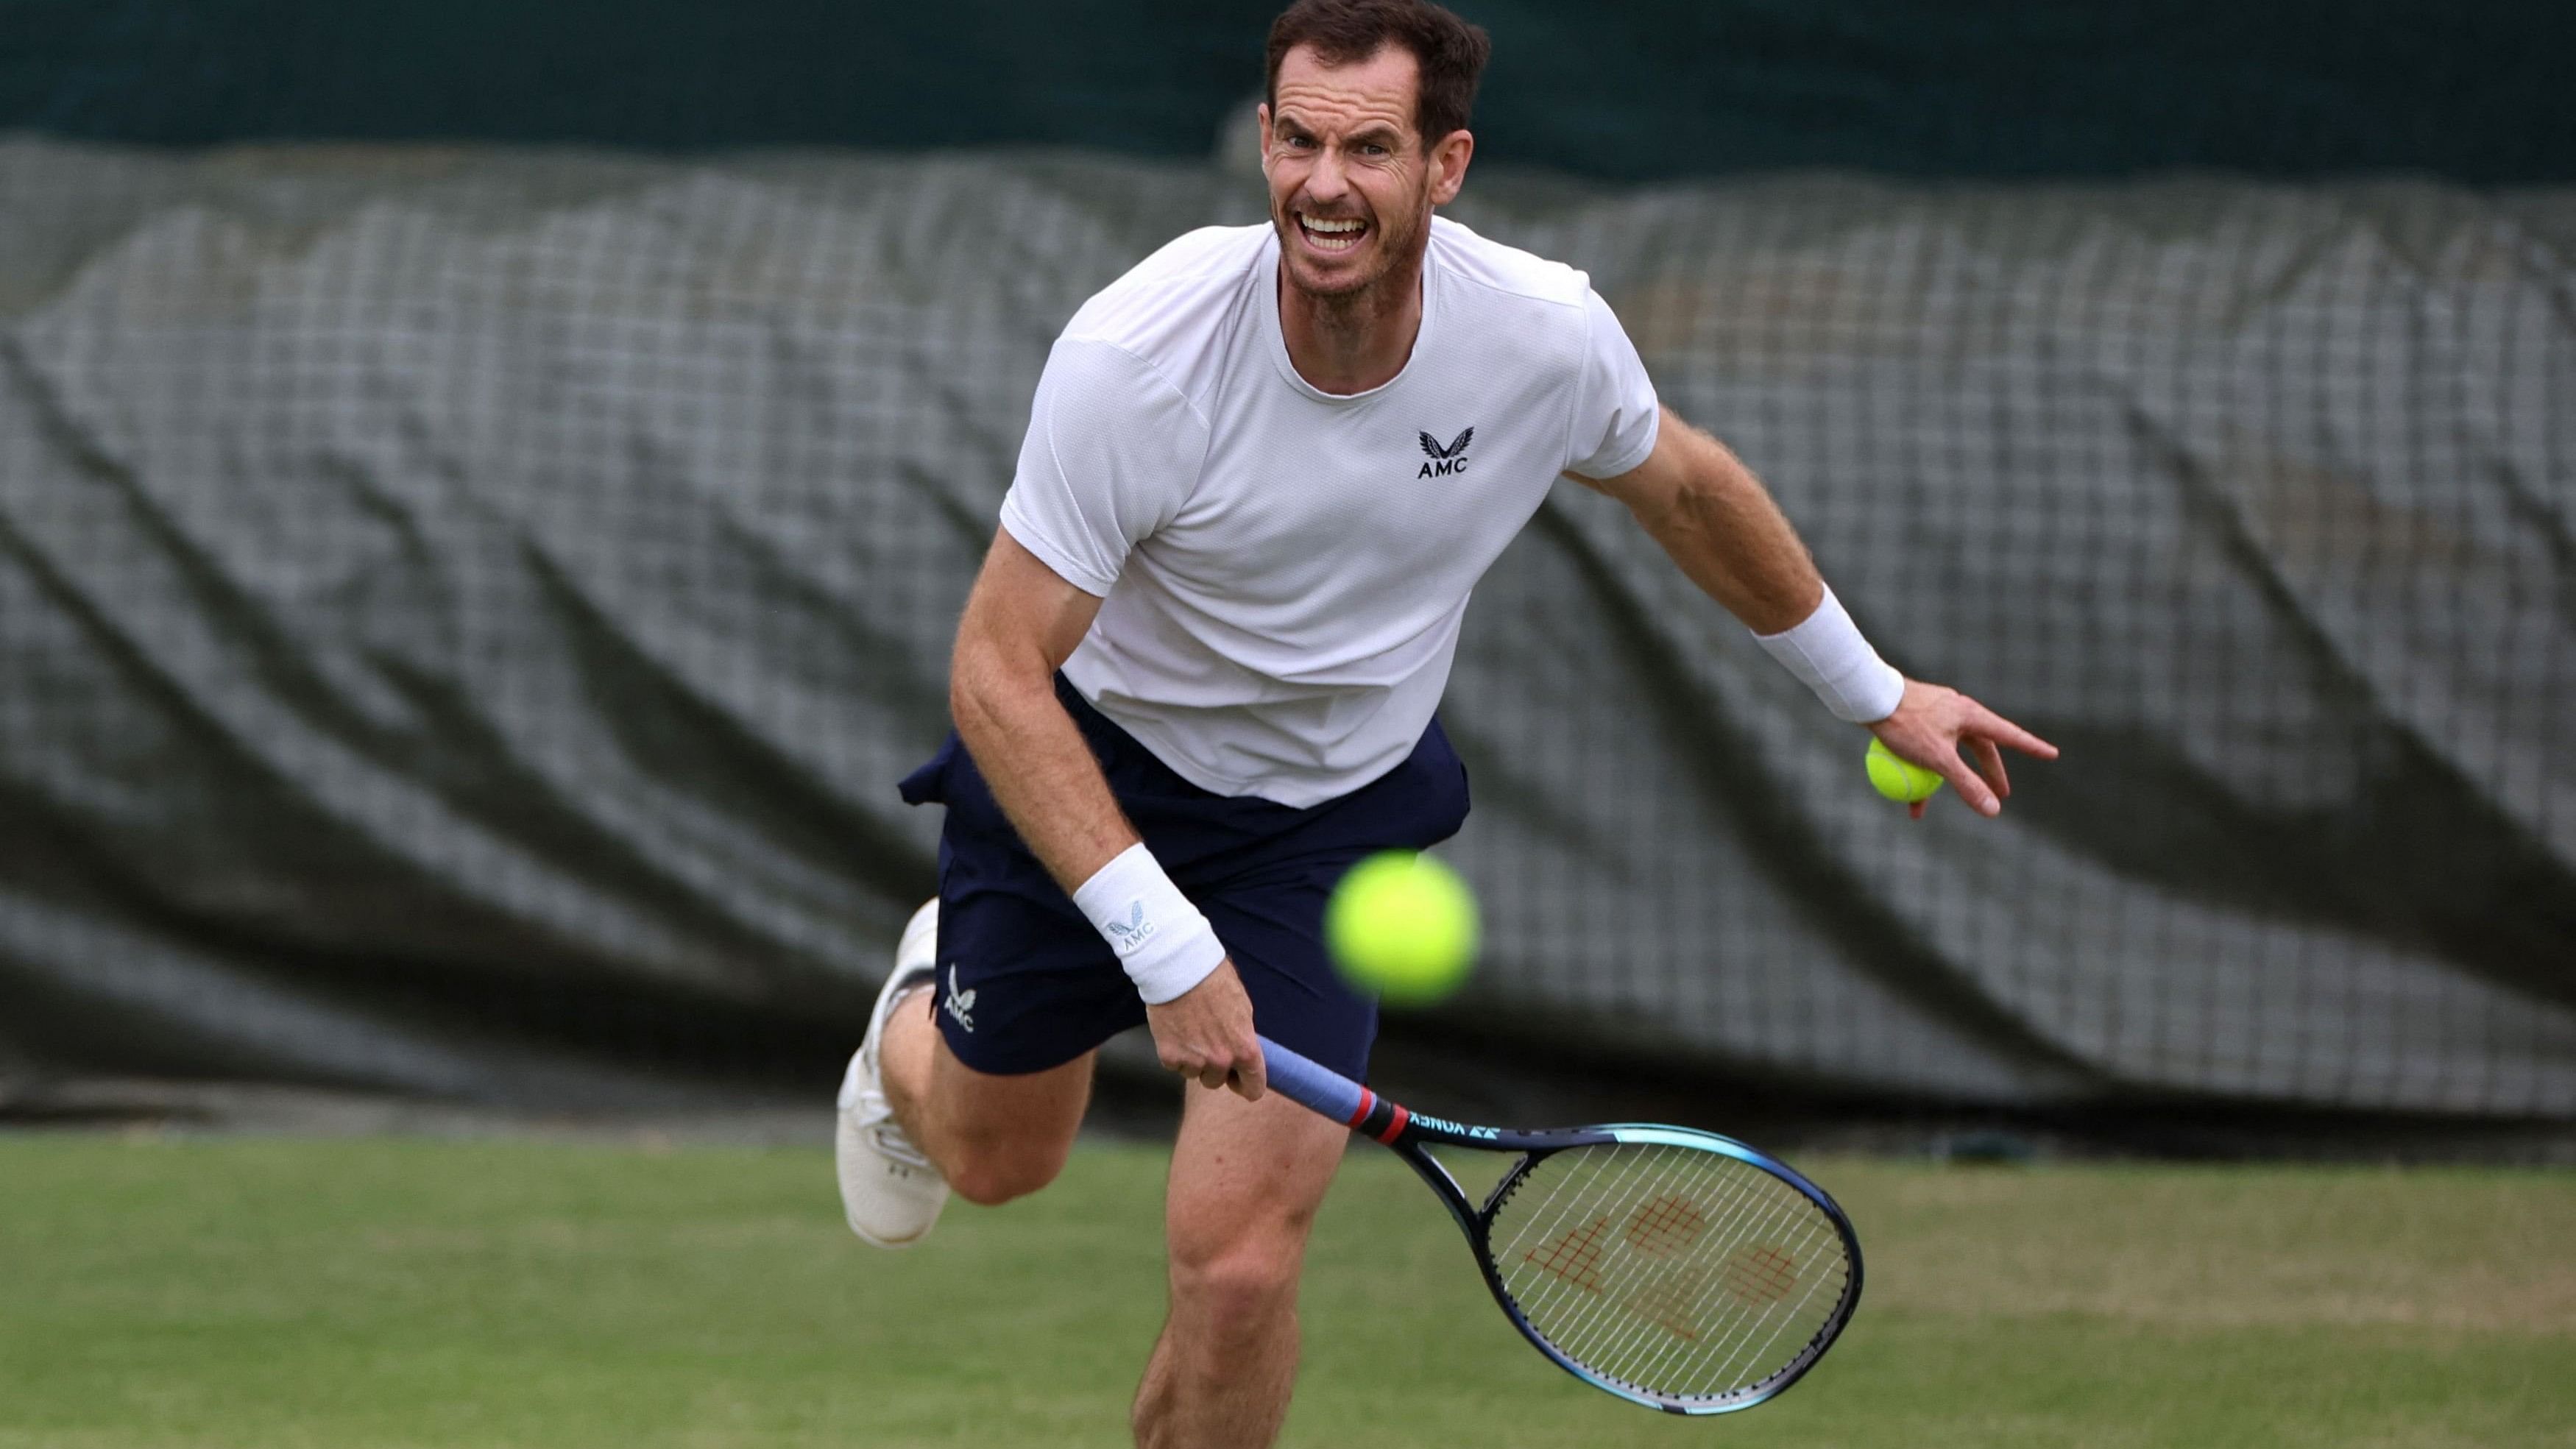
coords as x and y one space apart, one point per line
1311 1084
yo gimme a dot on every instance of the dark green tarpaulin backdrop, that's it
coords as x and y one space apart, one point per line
1638 89
463 614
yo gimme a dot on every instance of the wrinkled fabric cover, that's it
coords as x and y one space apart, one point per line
463 613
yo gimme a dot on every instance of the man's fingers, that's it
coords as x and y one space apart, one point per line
1945 720
1251 1077
1990 725
1206 1032
1990 763
1970 788
1915 810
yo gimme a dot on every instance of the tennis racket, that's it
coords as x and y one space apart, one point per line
1676 1269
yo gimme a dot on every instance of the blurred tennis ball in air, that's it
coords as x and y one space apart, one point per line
1402 926
1898 779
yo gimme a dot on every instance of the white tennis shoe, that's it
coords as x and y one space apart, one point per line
890 1191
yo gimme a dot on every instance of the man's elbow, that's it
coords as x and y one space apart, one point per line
971 671
986 678
1672 514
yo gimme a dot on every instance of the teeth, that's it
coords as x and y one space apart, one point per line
1339 235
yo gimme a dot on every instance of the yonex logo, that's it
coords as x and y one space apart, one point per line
960 1004
1448 460
1131 933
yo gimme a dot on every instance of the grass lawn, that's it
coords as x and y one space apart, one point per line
348 1294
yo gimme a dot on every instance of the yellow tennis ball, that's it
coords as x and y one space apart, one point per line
1402 926
1898 779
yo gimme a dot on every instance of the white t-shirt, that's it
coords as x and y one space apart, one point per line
1284 570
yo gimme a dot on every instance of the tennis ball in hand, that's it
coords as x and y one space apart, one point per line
1898 779
1402 926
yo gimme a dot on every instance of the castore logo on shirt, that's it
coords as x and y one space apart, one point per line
1448 460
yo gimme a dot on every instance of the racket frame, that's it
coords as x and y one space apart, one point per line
1411 1136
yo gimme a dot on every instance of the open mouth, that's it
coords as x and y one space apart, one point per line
1331 234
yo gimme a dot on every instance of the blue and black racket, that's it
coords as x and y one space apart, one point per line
1677 1269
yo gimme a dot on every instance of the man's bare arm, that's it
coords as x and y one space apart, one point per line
1022 622
1721 526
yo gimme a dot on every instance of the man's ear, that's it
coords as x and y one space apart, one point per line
1449 165
1263 112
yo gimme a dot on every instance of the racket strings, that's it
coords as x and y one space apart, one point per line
1759 1272
1678 1271
1763 1270
1652 1324
1660 1311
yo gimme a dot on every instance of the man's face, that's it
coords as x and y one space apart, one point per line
1351 183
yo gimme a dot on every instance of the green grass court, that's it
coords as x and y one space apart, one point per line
282 1293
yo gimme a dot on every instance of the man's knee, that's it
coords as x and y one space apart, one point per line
998 1137
1246 1185
1237 1284
990 1173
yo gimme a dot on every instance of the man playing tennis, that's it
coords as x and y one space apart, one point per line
1196 677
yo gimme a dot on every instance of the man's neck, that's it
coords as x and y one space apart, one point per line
1353 343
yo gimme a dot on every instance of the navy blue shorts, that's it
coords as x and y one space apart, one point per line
1025 983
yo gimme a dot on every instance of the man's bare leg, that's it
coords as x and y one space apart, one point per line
993 1138
1246 1180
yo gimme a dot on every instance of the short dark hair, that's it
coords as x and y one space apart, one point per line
1448 52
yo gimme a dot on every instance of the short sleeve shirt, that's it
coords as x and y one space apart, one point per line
1283 571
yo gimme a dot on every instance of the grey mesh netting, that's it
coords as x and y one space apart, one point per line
462 614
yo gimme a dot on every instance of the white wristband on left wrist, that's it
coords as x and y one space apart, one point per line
1829 656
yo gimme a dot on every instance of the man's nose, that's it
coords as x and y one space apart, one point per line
1327 182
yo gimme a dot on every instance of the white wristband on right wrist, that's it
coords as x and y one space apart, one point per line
1162 940
1829 656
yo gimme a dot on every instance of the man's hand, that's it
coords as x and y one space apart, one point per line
1929 726
1206 1032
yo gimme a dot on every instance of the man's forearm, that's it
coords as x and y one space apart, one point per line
1041 770
1731 539
1698 500
1035 760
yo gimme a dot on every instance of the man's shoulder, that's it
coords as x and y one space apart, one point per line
1171 308
1506 275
